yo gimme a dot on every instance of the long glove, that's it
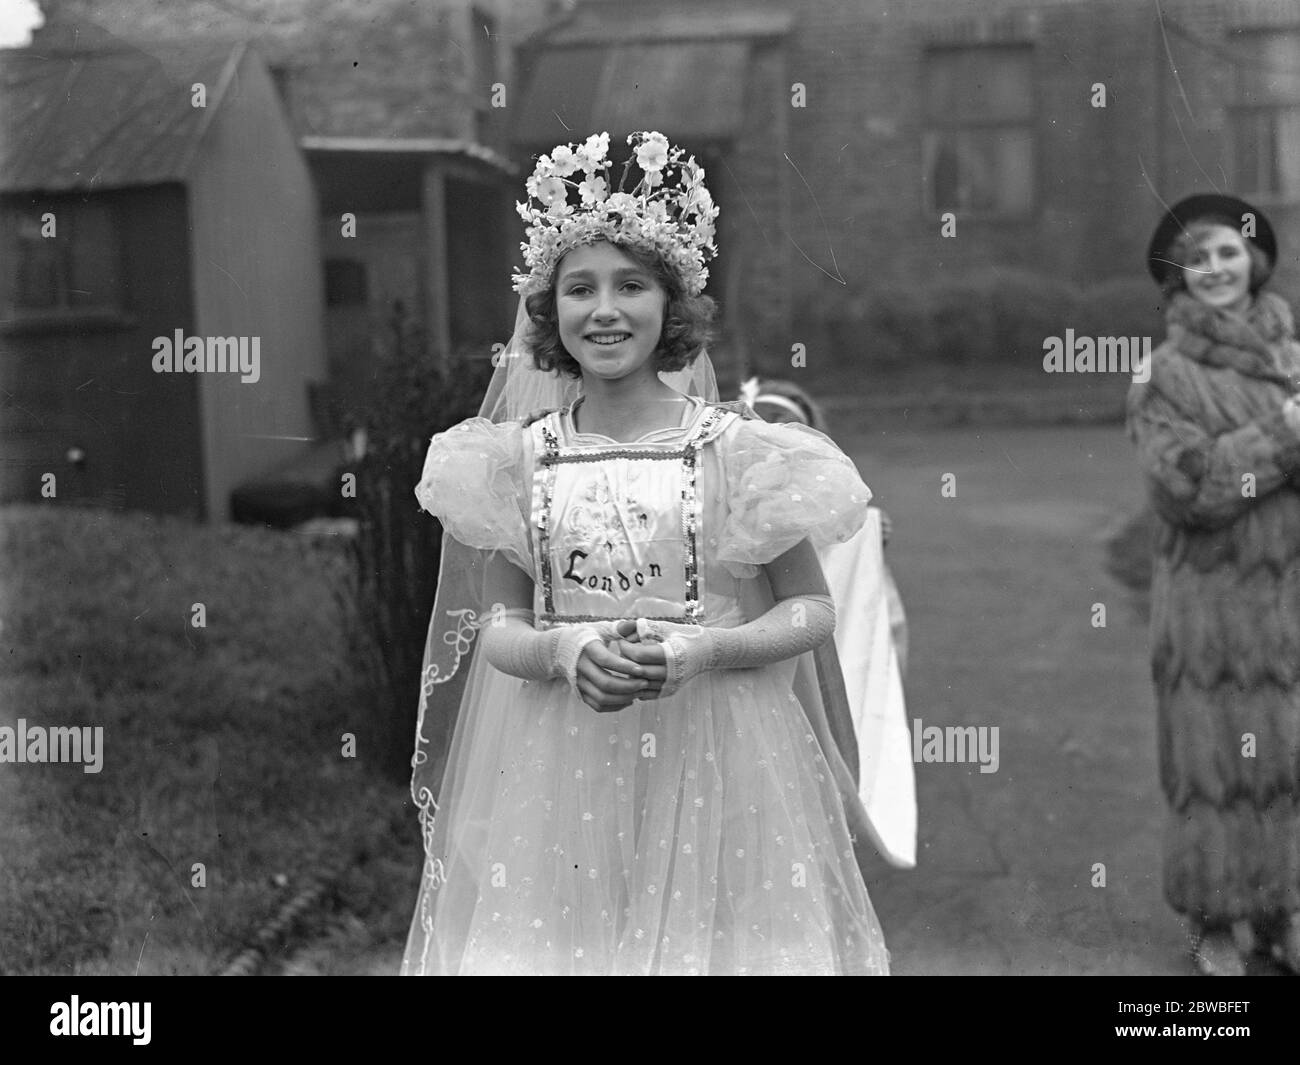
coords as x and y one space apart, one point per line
513 646
793 626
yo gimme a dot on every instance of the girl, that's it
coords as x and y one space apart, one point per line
1217 428
632 786
778 402
870 649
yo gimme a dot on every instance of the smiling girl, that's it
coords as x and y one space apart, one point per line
633 785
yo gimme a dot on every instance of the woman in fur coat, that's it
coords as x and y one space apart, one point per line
1217 429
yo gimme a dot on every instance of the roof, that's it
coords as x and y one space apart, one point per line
687 91
106 116
387 174
410 146
669 20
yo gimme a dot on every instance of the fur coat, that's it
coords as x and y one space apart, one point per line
1223 471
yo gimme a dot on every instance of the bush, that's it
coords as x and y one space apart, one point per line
1123 307
999 317
397 548
888 328
282 504
1028 308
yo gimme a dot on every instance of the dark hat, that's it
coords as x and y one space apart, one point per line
1201 206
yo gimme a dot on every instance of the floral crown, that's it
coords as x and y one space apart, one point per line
669 211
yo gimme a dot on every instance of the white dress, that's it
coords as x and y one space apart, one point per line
702 833
864 637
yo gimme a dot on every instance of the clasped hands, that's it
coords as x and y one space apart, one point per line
613 674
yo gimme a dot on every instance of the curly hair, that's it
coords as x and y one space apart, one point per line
1185 247
686 329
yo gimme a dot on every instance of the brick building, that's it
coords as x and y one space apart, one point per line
836 133
987 111
863 121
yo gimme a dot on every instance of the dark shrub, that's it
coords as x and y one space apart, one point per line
397 546
998 317
1123 307
1028 308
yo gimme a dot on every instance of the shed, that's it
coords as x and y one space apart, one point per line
152 199
424 224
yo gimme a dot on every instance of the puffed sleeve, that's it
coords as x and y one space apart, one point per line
472 483
784 483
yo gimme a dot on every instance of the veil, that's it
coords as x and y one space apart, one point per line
517 390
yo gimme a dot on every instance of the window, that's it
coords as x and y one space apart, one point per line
65 257
978 148
1266 118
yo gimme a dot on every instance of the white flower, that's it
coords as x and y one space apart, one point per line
591 156
657 212
652 154
693 199
564 161
593 189
622 203
550 189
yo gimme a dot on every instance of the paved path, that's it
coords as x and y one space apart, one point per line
1000 584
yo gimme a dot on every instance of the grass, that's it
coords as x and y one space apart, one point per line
223 745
